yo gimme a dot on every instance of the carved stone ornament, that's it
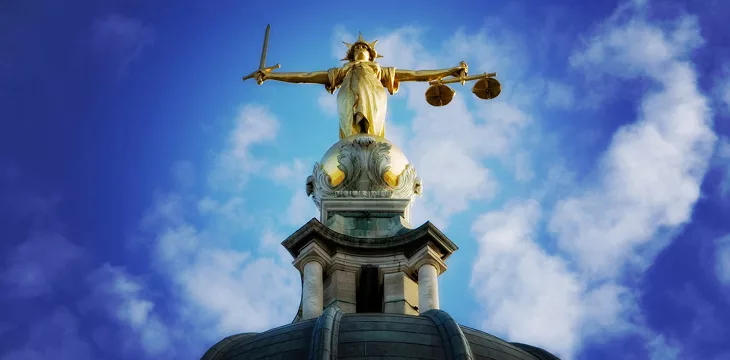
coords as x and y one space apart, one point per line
364 161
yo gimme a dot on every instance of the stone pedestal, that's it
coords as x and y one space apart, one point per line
347 207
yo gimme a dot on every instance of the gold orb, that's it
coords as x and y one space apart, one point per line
398 161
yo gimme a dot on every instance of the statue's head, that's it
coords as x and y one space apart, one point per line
361 50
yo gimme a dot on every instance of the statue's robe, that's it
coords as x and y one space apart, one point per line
362 90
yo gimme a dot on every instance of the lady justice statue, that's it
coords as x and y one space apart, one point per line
362 82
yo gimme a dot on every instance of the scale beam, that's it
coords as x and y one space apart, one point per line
463 79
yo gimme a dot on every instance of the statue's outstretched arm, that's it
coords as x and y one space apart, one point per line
430 75
316 77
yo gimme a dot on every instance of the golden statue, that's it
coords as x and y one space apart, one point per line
361 100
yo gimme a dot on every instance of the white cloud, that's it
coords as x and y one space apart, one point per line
44 266
301 208
659 349
57 337
34 266
722 259
531 295
227 215
616 49
198 240
253 125
196 243
559 95
649 178
239 292
523 168
528 294
293 174
121 295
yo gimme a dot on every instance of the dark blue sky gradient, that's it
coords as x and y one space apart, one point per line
89 132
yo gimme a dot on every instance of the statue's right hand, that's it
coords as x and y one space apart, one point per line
260 77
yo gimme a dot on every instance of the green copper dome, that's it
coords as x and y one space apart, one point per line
337 335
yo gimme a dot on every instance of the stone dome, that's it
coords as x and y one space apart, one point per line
363 166
337 335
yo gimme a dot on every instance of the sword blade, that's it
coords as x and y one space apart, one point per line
262 64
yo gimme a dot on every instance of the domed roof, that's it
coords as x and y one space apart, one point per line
337 335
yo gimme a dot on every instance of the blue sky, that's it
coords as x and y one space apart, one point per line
144 189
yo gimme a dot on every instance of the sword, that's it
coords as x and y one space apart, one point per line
262 64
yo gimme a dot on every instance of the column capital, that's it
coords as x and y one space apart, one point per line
312 252
427 255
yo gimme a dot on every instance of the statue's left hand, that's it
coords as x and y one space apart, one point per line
462 70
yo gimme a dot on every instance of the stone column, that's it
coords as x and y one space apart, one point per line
428 288
312 290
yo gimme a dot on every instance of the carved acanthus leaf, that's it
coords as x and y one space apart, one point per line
364 162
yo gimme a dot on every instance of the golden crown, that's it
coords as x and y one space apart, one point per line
361 40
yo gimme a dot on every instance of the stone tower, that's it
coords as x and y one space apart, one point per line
369 279
362 254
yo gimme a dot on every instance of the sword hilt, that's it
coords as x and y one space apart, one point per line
262 64
262 70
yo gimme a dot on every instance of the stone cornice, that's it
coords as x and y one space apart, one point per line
333 242
386 264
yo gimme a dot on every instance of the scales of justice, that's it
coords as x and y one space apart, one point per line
364 166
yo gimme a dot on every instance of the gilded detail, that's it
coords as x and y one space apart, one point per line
364 164
361 99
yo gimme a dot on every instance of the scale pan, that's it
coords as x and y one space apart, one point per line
488 88
439 95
